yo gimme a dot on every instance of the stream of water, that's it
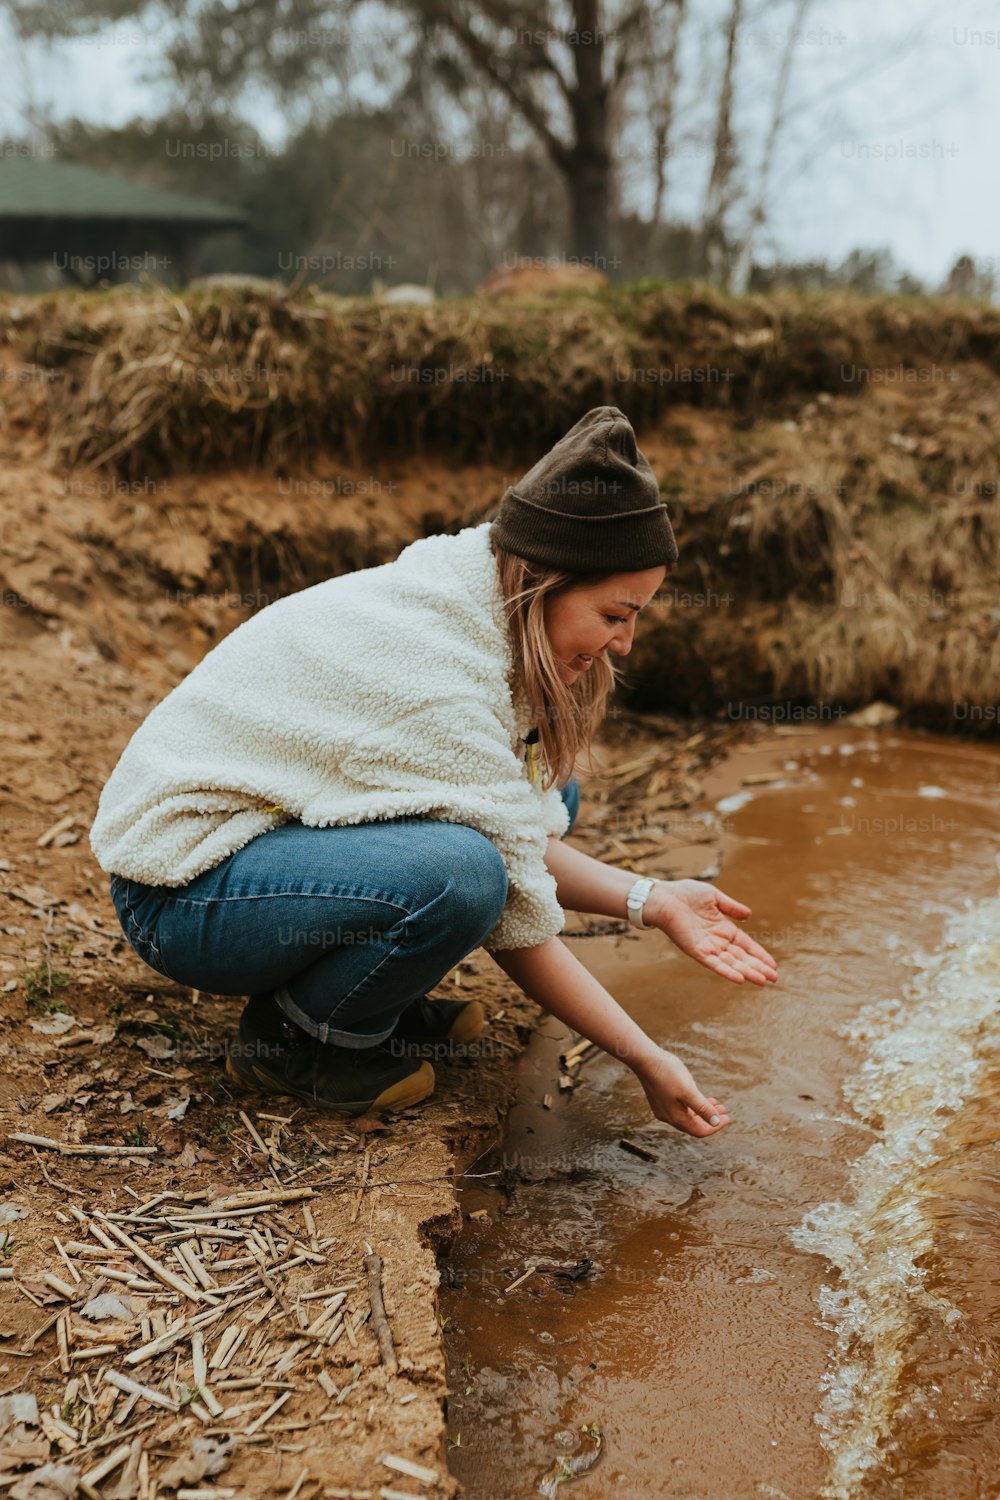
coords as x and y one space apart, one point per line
807 1304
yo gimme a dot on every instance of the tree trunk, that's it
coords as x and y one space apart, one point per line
589 181
588 170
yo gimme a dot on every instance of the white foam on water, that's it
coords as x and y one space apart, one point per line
923 1061
734 802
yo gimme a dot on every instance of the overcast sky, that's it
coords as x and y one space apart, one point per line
903 156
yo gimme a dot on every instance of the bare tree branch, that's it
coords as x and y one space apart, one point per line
740 276
719 190
486 61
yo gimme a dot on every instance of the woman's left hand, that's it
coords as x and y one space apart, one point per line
698 919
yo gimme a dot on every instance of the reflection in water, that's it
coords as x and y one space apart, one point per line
803 1304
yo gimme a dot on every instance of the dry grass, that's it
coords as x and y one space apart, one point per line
846 556
146 382
831 461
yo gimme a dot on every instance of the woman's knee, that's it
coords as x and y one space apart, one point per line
476 889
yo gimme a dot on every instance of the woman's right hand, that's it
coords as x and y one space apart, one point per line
675 1097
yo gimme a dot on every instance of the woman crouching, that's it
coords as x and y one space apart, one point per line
371 778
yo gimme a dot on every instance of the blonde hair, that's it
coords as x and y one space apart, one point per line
568 714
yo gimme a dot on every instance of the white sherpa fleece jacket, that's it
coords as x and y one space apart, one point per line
384 693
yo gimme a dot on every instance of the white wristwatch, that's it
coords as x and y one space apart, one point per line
636 900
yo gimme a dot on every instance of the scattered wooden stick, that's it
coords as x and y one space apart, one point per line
373 1266
227 1347
62 1339
409 1468
190 1258
200 1367
520 1279
94 1229
576 1052
65 1258
293 1492
327 1291
254 1133
262 1198
146 1392
30 1295
258 1422
182 1327
213 1215
65 1149
637 1150
39 1332
104 1468
64 1289
196 1294
63 826
56 1182
310 1223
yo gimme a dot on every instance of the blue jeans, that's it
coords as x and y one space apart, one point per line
348 925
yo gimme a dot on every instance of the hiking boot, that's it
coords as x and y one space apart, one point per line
437 1028
270 1054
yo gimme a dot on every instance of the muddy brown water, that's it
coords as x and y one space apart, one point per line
809 1303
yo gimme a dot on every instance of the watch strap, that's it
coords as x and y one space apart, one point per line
636 899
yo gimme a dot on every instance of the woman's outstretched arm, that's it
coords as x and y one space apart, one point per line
587 884
697 917
553 977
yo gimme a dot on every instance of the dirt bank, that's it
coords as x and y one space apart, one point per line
110 598
830 463
147 382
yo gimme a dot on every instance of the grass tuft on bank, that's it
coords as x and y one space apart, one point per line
830 461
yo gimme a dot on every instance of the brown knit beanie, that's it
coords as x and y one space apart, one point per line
591 505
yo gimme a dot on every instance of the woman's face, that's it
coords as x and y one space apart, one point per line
583 621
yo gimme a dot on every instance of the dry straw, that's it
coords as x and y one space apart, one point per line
841 490
146 382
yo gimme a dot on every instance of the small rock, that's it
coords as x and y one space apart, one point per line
11 1211
873 715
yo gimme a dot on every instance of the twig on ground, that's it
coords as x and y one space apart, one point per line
65 1149
383 1334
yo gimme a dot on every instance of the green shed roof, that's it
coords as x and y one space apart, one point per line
33 189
